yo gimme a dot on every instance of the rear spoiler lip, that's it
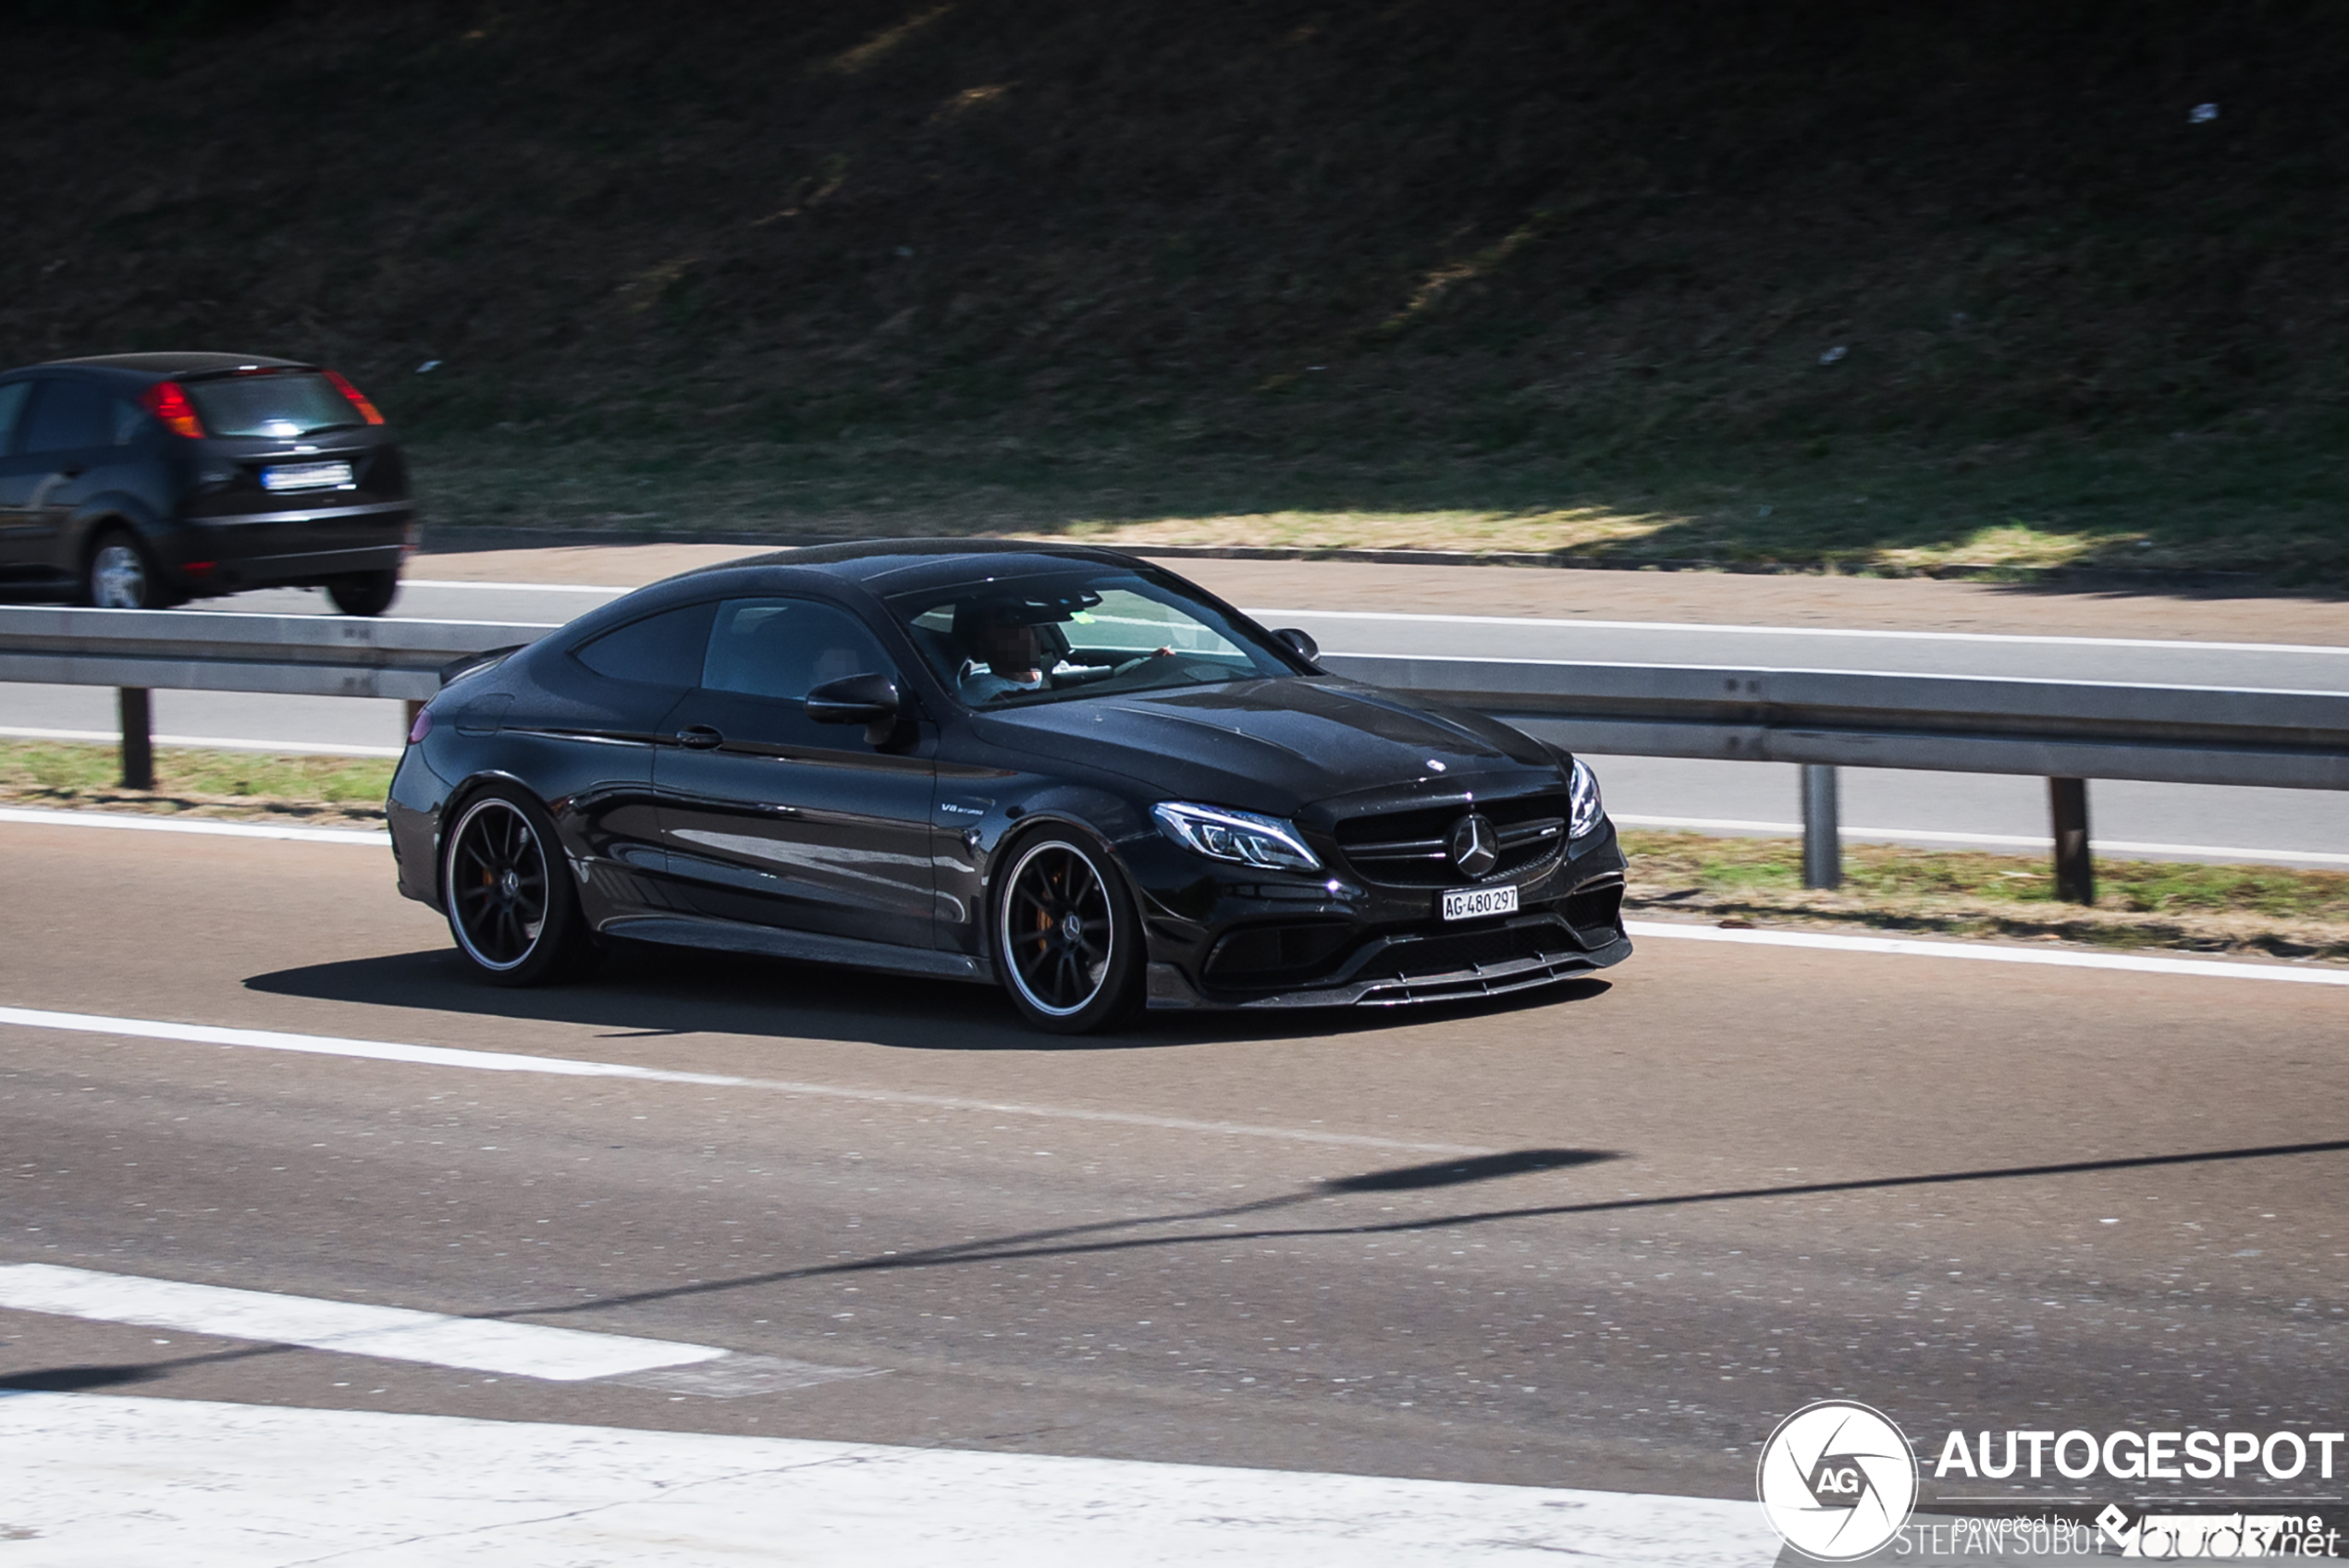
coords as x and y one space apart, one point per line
473 664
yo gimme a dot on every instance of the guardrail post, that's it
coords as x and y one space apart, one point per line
2075 872
137 739
1822 832
411 707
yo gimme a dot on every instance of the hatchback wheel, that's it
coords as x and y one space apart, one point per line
120 576
1068 939
510 903
364 593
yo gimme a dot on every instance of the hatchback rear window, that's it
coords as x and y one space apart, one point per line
288 403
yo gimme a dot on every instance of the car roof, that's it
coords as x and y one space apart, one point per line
168 364
891 566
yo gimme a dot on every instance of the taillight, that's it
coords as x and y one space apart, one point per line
169 402
422 728
358 399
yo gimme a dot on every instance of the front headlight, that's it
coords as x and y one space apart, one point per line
1241 836
1584 794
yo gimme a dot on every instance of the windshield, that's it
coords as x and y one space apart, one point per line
282 403
1003 643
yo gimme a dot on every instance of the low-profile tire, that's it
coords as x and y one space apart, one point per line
506 890
121 575
364 593
1068 941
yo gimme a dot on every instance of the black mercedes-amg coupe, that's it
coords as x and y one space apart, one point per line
1063 769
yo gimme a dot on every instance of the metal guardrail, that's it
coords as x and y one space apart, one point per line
2062 730
1941 723
316 655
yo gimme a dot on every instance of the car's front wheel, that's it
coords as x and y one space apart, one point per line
364 593
510 904
1068 940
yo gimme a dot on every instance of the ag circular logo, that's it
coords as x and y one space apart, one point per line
1837 1480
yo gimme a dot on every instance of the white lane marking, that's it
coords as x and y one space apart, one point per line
2005 637
518 587
203 742
1902 947
569 1067
394 1333
2048 680
39 817
105 1478
2018 841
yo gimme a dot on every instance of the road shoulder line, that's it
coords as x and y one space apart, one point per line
1990 953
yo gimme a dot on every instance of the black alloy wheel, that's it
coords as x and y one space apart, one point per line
1070 943
364 593
510 907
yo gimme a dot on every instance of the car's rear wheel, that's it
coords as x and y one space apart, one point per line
364 593
120 575
1068 939
510 904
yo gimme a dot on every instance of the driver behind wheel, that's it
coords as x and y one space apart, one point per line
1007 654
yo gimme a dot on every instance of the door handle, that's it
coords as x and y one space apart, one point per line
700 737
70 473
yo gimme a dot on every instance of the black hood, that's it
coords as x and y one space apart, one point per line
1275 746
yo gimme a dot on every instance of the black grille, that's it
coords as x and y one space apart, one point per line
1406 849
1596 911
1471 949
1264 955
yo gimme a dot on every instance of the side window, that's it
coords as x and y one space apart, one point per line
130 420
68 416
783 648
660 650
12 398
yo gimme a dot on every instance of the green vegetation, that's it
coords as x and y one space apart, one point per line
205 783
1824 286
2140 903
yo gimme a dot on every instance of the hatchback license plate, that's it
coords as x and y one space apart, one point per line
306 476
1473 903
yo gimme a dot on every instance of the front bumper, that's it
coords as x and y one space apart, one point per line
1344 943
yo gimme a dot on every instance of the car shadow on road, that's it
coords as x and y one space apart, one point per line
1216 1227
646 993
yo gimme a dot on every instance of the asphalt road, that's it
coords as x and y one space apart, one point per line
1604 1238
1938 628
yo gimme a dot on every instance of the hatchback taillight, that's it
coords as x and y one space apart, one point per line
169 402
358 399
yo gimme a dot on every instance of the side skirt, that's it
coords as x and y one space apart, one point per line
808 946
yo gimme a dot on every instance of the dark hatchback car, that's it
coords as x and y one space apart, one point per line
1063 769
142 481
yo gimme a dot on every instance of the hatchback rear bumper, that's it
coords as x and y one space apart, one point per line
222 555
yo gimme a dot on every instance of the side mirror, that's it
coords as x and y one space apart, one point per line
1303 643
872 701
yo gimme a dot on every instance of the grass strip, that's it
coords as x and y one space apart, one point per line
320 790
2247 909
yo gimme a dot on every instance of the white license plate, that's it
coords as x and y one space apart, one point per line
306 476
1473 903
